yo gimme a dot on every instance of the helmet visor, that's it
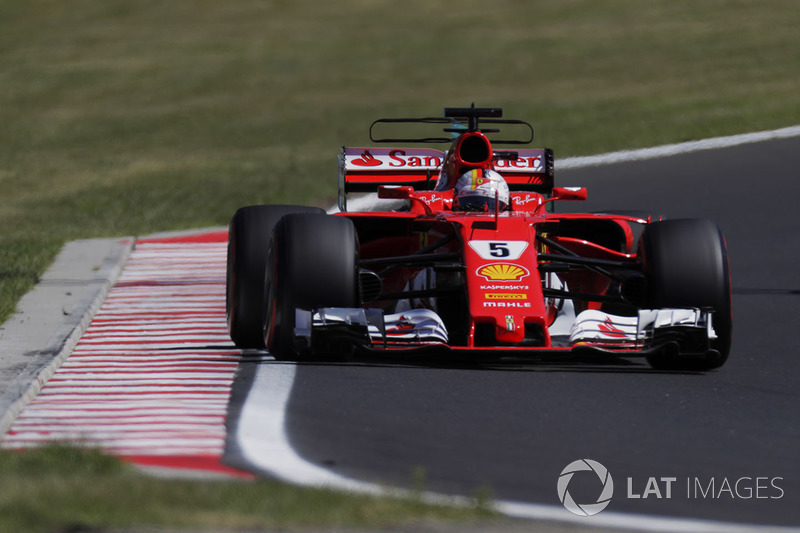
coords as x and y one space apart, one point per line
478 203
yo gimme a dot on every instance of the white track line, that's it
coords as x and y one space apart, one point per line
262 438
263 442
370 202
261 429
668 150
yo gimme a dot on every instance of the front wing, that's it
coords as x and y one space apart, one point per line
651 331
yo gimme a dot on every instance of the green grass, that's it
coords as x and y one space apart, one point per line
60 488
135 116
126 117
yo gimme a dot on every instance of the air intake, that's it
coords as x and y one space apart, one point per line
370 285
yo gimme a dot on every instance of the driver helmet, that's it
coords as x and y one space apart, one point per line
478 189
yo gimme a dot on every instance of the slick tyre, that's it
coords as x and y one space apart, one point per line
686 264
248 241
313 263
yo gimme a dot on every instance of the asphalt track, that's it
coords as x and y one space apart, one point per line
729 438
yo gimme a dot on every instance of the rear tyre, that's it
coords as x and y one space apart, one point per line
313 263
686 264
248 240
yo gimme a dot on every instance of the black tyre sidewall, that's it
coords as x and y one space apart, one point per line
686 263
249 235
313 263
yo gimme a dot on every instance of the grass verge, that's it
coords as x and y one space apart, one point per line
60 488
126 117
132 116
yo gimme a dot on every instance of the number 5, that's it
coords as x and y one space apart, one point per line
499 249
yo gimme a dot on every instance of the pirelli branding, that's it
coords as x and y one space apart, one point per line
505 296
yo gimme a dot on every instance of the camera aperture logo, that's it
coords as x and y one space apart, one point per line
585 487
590 467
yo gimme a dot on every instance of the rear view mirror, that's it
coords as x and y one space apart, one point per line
569 193
400 193
403 193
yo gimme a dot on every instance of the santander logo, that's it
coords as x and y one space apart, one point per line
390 159
529 161
367 160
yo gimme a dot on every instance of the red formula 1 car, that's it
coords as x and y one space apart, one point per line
462 252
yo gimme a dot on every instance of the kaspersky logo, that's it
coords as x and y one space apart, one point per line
585 471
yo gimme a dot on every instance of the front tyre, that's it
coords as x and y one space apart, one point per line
686 264
248 240
312 263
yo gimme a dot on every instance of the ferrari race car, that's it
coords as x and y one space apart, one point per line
462 252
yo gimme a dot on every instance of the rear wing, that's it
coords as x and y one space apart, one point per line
363 170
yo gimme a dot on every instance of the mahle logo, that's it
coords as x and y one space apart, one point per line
590 466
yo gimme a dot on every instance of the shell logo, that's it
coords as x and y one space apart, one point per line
503 272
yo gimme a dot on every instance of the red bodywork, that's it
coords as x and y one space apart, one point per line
490 275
